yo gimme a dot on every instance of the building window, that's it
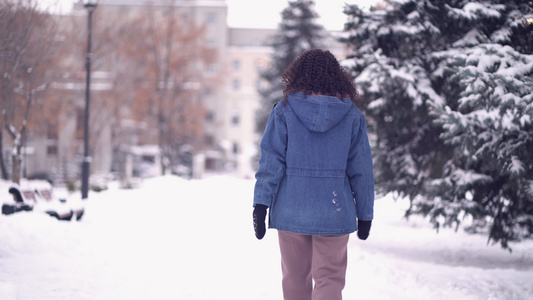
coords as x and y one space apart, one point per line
211 43
185 18
51 147
51 140
235 148
209 140
236 65
235 118
260 64
210 117
211 18
211 69
236 84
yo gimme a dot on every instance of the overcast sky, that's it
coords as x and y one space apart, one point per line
266 13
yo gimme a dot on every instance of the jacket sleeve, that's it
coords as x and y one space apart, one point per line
360 171
272 160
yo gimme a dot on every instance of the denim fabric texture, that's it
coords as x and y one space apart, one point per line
315 171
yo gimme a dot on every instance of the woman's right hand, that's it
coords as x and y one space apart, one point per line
259 216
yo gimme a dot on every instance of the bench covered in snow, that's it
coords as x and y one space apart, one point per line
38 195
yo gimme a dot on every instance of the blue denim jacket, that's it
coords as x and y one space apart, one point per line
315 171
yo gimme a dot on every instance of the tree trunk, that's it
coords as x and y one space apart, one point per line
17 165
2 162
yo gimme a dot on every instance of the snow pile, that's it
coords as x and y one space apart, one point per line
178 239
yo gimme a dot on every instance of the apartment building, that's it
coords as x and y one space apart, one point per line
248 54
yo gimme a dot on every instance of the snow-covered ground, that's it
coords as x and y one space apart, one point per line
178 239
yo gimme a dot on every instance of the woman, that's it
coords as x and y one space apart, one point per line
315 175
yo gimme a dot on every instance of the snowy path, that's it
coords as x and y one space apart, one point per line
176 239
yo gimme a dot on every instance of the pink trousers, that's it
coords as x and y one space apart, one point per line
305 258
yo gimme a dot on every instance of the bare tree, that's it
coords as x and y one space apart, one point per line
27 36
111 86
168 56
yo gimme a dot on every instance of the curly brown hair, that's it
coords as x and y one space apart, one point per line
318 72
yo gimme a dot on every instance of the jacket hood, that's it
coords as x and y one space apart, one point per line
319 113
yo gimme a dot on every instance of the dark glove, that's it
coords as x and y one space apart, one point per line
363 229
259 216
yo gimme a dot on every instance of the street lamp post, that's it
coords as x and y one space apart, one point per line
90 5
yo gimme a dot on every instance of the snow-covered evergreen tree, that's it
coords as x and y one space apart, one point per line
451 90
297 32
393 70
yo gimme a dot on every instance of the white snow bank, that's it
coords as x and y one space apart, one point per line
177 239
